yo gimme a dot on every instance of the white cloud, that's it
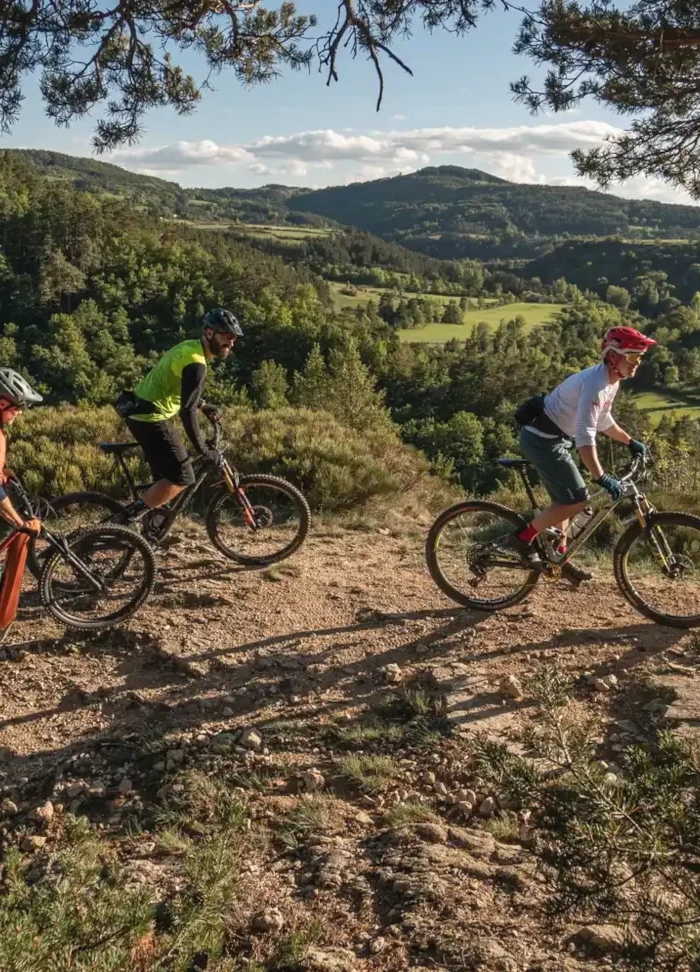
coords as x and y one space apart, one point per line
400 149
508 165
178 155
638 187
533 154
295 168
369 172
329 145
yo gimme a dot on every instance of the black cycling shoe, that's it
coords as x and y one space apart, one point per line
131 514
575 574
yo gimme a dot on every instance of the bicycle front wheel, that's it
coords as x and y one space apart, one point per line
467 560
99 554
657 568
66 515
263 526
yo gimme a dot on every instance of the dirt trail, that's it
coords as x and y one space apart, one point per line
311 634
314 641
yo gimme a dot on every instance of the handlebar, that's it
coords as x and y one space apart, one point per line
630 469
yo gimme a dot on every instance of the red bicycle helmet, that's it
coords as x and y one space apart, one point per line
623 339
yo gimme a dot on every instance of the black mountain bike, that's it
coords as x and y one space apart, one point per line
656 561
97 577
254 520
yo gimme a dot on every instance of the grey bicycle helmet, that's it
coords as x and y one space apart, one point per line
17 390
223 321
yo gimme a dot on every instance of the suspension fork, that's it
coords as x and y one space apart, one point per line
657 540
233 485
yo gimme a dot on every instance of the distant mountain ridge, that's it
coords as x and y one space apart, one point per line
445 211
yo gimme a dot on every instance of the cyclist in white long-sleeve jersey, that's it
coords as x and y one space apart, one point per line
572 415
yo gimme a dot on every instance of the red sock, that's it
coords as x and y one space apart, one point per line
561 549
528 534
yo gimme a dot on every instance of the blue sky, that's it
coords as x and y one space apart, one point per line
456 109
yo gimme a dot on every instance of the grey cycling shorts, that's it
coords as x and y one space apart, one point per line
556 467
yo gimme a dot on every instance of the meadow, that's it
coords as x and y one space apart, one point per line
665 402
533 314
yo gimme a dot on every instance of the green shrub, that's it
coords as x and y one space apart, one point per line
54 450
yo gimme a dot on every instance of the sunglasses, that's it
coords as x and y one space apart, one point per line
634 357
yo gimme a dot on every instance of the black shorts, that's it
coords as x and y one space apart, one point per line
164 450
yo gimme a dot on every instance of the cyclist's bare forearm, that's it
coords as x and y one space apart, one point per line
618 434
9 513
589 457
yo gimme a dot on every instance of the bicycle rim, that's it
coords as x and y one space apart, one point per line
281 521
103 551
658 569
465 562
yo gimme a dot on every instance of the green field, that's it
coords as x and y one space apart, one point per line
664 403
365 294
534 314
267 231
295 234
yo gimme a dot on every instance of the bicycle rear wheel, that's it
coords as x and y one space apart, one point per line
101 552
67 515
282 519
466 563
658 568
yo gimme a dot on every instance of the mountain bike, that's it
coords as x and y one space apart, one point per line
254 520
656 561
107 568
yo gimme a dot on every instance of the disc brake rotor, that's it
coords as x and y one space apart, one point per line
263 516
679 566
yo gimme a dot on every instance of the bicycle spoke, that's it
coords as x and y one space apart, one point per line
471 554
263 524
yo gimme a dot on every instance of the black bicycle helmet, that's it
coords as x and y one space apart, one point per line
223 321
16 390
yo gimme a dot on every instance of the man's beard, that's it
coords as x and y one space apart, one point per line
221 351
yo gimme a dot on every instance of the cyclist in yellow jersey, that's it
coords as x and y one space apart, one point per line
174 387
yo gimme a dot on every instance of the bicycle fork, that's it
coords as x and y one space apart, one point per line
233 485
62 545
659 544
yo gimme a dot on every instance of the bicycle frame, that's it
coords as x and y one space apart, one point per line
230 478
644 510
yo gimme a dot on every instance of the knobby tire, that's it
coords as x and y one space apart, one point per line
620 568
454 593
300 504
35 561
125 535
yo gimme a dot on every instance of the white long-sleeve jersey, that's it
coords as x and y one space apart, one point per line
581 405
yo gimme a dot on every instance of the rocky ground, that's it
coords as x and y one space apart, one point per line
309 691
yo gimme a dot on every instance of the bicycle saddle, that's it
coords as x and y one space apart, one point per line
513 463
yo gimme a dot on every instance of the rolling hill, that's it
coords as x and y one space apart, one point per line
446 212
592 264
452 212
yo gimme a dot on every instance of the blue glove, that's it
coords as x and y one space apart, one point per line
637 448
613 486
